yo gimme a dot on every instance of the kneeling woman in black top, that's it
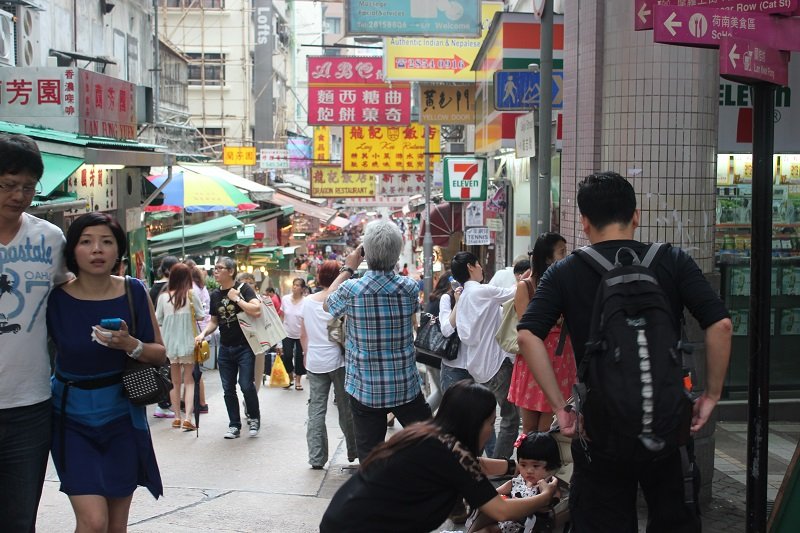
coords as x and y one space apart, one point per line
411 482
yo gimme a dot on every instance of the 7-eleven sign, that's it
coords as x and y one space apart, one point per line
464 178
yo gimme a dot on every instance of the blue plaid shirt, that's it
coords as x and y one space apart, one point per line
380 364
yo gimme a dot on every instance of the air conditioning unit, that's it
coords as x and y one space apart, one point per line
27 37
7 32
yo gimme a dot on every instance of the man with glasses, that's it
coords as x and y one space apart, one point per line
236 359
31 262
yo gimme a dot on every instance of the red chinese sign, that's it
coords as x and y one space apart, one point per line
347 91
69 99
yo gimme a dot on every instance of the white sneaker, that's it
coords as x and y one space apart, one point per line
255 425
233 433
163 413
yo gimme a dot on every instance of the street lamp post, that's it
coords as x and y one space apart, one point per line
427 239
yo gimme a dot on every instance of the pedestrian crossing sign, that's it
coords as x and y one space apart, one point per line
464 179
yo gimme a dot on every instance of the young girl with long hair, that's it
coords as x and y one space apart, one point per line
177 311
534 410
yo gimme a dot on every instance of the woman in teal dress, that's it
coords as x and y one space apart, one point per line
101 448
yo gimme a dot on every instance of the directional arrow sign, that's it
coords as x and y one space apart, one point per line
743 61
706 27
455 63
645 8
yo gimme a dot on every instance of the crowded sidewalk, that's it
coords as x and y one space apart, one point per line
265 483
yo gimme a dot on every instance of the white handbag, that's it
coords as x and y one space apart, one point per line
264 331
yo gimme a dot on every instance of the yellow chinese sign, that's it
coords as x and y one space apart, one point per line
447 104
322 144
381 149
436 58
239 155
331 182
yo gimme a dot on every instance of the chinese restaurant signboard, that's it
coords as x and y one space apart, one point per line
382 149
401 184
331 182
347 91
69 99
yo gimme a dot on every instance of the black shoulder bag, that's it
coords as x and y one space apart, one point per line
143 383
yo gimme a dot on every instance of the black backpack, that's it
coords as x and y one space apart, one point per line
631 387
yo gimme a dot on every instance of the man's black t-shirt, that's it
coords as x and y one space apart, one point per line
411 491
569 287
230 333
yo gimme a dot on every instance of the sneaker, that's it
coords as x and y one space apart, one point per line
204 409
158 412
255 425
233 433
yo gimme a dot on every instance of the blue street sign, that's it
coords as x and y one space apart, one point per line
518 90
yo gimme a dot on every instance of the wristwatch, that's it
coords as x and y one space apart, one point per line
136 352
347 269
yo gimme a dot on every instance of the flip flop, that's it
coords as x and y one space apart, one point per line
298 387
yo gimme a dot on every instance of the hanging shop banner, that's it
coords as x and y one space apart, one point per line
449 18
436 59
300 152
447 104
331 182
464 179
322 145
345 91
401 184
69 99
273 158
239 155
382 149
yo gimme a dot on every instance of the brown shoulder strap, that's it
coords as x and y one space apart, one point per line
530 287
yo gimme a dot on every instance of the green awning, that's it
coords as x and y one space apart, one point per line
245 236
265 250
215 225
54 200
230 242
57 168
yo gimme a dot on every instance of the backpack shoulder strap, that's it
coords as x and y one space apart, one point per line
595 259
654 253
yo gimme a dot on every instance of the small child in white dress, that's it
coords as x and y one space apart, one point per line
537 460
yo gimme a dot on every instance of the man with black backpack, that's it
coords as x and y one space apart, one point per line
623 302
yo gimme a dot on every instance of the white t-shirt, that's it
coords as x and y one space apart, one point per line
30 265
477 320
291 315
322 355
